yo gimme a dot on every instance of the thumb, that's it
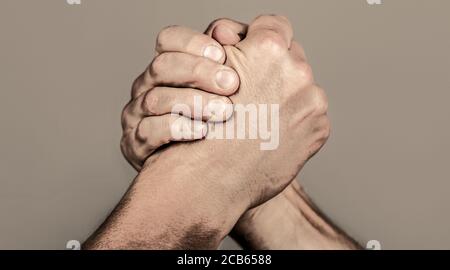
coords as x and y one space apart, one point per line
227 31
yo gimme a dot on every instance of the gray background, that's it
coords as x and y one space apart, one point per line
66 73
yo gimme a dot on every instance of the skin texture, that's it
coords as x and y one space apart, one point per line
277 224
290 221
175 76
214 187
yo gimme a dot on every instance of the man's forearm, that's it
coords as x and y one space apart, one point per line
290 221
170 207
184 207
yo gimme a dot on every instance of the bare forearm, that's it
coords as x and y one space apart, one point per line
169 207
291 221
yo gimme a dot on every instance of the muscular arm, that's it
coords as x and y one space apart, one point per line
171 207
185 207
290 221
191 195
185 213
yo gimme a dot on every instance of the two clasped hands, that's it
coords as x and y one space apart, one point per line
191 192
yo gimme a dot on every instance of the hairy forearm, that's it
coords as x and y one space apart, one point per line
181 206
290 221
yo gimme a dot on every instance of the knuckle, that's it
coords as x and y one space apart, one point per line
325 128
263 18
217 22
305 71
135 92
150 103
271 41
135 85
124 145
140 153
142 131
158 63
124 116
322 132
134 152
327 131
320 101
138 84
127 146
273 19
164 35
283 20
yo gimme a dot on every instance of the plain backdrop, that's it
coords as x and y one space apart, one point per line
66 71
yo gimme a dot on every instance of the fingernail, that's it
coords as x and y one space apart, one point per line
213 52
218 110
226 79
200 130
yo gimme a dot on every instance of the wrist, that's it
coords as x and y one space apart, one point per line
171 207
289 221
269 225
204 186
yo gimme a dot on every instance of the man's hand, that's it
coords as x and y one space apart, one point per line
281 77
273 70
290 220
187 63
251 230
191 195
225 32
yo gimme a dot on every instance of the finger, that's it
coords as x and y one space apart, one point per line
186 40
297 51
184 70
189 102
227 31
278 26
155 131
